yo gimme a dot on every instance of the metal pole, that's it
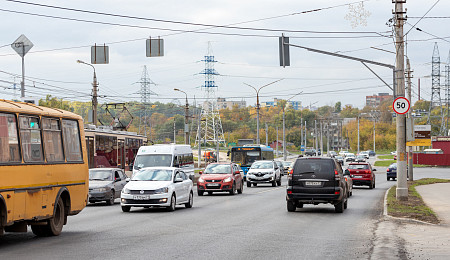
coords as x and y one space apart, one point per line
277 142
321 138
199 159
402 185
22 84
374 120
410 171
284 136
94 99
306 143
267 135
174 132
315 136
358 135
186 123
257 117
301 134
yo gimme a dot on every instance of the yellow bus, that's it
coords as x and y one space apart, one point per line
44 175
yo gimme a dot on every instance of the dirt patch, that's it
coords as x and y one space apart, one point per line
414 207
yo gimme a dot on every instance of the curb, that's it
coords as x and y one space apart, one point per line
385 213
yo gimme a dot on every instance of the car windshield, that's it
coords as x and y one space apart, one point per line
314 166
394 165
338 157
358 166
153 175
360 156
262 165
218 169
152 160
100 175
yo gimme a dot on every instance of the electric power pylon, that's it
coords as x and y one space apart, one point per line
145 92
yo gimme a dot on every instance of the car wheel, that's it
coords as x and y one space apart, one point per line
200 192
111 199
345 203
190 202
249 184
279 181
340 207
388 179
233 189
290 206
126 208
351 193
209 192
274 183
54 225
374 184
255 184
242 188
173 204
371 186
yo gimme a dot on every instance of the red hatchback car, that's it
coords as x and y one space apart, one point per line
221 177
362 174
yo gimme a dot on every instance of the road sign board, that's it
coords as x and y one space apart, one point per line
154 47
401 105
22 45
99 54
419 142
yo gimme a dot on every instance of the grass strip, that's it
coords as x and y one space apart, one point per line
414 207
386 157
384 163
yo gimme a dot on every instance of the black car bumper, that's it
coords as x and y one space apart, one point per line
315 198
99 196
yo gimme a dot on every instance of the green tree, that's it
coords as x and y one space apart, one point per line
337 107
53 102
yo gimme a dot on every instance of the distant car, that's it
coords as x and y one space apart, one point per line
362 174
105 184
365 153
342 153
286 165
264 171
350 157
158 187
394 153
395 157
360 158
220 177
371 153
391 172
310 152
314 181
332 154
280 166
339 159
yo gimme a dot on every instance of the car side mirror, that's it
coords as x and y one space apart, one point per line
352 176
374 170
127 179
178 180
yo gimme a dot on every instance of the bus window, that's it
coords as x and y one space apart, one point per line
72 145
237 157
30 134
9 143
253 156
52 140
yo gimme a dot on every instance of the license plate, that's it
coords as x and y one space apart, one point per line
214 184
357 176
141 197
313 183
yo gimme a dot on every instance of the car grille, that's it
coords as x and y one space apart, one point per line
213 180
138 192
260 174
213 187
150 201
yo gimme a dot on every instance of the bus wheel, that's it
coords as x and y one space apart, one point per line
54 225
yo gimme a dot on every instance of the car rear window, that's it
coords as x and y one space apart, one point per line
320 167
358 166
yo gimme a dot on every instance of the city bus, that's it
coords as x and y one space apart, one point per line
247 154
108 148
43 167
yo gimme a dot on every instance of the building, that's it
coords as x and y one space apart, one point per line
376 100
223 104
296 105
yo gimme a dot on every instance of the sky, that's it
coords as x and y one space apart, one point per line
246 54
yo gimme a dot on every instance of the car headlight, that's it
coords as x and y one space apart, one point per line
125 191
201 180
100 189
227 179
162 190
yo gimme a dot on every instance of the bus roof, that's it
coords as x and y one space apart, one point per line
28 108
262 147
165 149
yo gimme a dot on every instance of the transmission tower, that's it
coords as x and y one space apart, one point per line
445 129
210 128
435 81
145 92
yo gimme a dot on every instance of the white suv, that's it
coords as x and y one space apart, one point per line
264 172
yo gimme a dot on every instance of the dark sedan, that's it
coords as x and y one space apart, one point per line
391 172
105 184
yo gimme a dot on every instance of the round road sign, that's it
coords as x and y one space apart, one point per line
401 105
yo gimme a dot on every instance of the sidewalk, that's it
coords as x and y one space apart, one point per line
423 241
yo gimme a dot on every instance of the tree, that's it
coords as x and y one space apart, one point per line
337 107
55 103
349 112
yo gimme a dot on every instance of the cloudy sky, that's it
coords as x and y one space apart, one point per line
246 53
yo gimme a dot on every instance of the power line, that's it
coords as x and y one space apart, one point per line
422 17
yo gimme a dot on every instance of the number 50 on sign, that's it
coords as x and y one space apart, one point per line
401 105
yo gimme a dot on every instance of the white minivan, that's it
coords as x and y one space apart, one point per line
165 155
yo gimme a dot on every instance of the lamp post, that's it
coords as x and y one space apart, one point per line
284 125
94 93
186 118
257 106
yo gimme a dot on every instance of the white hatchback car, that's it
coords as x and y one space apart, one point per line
157 187
264 172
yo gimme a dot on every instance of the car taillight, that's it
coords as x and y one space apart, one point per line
336 175
388 170
336 192
291 171
336 172
289 192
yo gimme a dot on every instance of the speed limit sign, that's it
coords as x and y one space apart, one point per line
401 105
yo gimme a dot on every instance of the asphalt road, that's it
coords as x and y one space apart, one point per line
252 225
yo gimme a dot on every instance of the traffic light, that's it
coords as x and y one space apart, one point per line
284 51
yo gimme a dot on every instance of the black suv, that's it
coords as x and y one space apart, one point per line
314 181
312 152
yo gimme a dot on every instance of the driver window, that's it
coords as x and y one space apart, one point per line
116 175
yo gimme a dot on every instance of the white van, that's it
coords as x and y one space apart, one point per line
165 155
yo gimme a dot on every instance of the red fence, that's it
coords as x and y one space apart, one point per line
432 159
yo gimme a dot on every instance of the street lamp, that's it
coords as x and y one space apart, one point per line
94 93
186 118
284 126
257 106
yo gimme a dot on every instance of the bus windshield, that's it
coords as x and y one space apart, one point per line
245 157
152 160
